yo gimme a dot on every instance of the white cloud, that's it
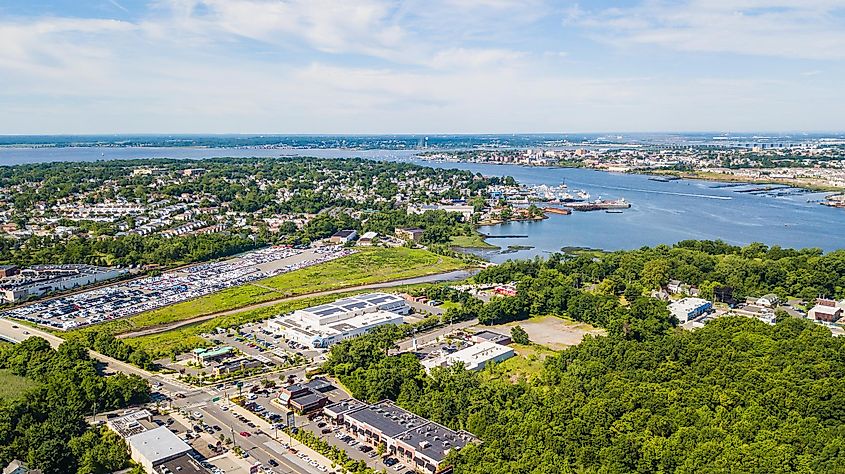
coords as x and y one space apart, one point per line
807 29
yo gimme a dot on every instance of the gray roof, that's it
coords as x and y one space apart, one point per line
159 444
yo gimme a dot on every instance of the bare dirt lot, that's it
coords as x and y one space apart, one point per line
551 331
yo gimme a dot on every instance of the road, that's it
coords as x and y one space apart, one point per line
438 277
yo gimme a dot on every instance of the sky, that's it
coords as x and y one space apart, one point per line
420 66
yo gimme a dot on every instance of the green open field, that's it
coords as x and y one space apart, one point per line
187 337
471 242
13 386
527 363
372 265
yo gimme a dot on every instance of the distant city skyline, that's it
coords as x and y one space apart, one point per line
411 67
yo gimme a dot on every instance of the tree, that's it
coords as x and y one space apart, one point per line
519 336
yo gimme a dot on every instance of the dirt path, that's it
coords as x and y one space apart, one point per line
447 276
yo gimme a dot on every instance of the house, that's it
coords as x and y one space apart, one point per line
689 308
505 290
674 287
343 236
411 234
367 239
769 301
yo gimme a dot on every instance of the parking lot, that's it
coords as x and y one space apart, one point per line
149 293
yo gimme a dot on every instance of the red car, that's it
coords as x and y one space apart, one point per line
245 434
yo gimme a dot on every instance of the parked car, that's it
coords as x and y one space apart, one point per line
245 434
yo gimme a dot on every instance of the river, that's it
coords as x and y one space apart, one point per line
661 212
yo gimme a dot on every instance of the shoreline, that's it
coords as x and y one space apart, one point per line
726 178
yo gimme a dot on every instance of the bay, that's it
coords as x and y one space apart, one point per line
661 212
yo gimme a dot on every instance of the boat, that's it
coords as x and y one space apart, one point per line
613 211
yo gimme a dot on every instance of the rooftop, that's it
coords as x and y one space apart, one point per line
158 444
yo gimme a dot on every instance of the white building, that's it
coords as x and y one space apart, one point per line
689 308
156 446
769 301
474 357
327 324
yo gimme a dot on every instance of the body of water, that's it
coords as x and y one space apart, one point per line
661 212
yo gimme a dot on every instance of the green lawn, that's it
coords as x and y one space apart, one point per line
13 386
471 242
527 363
367 266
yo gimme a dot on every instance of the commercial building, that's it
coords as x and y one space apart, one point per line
368 238
9 270
327 324
157 449
689 308
18 467
490 336
343 236
419 443
411 234
306 397
464 210
234 365
826 310
205 355
17 285
474 357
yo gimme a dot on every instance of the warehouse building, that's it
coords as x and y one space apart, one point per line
474 357
416 441
324 325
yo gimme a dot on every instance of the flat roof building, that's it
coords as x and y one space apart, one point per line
689 308
156 446
327 324
474 357
420 443
343 236
491 336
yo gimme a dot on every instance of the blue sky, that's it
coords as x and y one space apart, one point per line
420 66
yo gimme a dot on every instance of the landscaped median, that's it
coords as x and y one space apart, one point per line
367 266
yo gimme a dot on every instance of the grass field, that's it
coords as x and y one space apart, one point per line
13 386
186 338
527 363
367 266
471 242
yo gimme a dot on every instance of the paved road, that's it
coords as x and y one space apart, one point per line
15 332
448 276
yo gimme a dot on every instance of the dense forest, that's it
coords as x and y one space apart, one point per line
738 395
735 396
45 427
752 270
